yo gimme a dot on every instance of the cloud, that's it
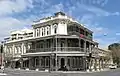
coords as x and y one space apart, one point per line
9 24
36 9
118 34
104 42
8 8
89 7
11 6
98 11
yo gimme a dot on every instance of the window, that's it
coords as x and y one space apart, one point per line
48 44
54 62
47 61
41 44
68 62
48 30
42 31
55 28
81 31
78 62
42 62
37 31
36 61
74 62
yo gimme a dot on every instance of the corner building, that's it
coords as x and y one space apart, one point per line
56 42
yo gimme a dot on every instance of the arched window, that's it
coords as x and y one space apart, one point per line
48 30
42 62
36 62
78 62
55 28
74 62
47 61
37 31
68 62
42 31
53 61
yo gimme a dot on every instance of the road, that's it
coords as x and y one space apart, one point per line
10 72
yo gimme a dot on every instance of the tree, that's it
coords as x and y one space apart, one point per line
115 49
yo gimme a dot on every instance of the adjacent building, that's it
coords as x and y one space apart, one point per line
53 43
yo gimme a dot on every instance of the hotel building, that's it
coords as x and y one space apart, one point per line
53 43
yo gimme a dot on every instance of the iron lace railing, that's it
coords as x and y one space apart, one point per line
67 49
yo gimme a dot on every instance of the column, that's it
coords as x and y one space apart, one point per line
90 48
29 63
95 64
35 32
59 63
51 62
40 62
84 46
66 45
22 48
84 63
80 44
13 48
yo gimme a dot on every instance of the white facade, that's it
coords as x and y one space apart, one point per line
50 36
49 30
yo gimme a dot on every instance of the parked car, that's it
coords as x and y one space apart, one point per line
113 66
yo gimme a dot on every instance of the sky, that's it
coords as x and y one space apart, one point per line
101 16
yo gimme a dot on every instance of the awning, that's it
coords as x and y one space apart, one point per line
15 60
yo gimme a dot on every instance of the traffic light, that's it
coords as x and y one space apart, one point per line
1 49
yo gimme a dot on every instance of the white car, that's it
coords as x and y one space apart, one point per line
113 66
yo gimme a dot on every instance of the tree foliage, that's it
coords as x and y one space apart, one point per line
115 49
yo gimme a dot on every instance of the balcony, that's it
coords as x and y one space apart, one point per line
62 49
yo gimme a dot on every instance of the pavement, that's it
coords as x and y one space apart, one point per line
16 72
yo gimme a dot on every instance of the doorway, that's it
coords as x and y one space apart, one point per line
62 62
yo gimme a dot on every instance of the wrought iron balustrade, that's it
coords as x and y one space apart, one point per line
56 49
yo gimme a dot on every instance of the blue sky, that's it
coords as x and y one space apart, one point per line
101 16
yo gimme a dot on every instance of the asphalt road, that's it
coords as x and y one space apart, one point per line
10 72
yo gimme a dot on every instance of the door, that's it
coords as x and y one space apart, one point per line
62 62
